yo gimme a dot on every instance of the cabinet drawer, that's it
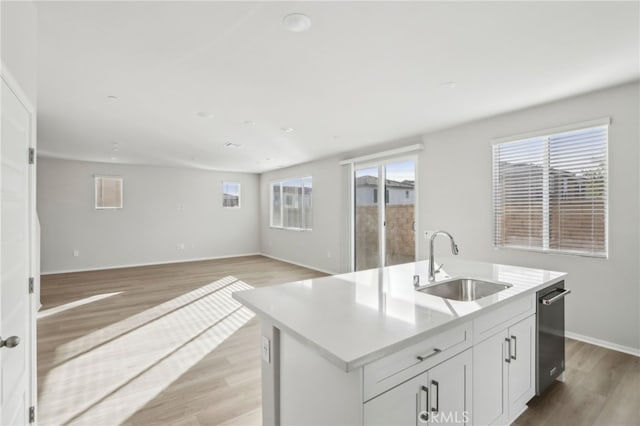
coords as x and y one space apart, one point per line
501 318
396 368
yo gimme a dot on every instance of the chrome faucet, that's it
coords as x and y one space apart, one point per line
454 250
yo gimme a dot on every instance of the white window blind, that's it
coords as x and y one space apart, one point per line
550 192
291 204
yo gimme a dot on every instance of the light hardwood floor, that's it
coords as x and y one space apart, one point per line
167 345
600 387
159 344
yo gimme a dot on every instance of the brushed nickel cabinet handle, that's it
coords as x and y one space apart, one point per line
437 392
515 348
436 351
424 414
508 358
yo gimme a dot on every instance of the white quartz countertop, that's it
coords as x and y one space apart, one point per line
356 318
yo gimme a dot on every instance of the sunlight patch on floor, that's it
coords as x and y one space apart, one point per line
129 363
92 340
57 309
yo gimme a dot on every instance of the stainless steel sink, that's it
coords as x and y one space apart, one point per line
464 289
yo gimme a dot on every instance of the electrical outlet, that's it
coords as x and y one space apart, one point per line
266 349
180 246
76 253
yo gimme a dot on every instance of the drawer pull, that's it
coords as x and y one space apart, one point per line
436 351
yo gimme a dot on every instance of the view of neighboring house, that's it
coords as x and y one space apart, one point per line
395 192
230 200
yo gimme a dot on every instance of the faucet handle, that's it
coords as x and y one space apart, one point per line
438 270
416 281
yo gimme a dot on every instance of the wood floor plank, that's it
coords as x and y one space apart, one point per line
623 404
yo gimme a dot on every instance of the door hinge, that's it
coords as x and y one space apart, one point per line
31 281
32 155
32 414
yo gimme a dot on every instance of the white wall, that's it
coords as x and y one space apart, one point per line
455 170
321 247
163 207
605 303
19 44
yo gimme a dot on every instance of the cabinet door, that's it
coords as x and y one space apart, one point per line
490 380
450 385
522 383
401 406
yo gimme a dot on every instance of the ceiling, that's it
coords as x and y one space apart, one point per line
365 73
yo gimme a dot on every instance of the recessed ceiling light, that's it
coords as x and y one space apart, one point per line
250 122
112 98
205 114
286 129
114 158
231 145
450 84
296 22
114 149
267 159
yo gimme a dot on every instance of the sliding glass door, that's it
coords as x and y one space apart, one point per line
367 219
384 214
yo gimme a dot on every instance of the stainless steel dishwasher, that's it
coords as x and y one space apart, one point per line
550 335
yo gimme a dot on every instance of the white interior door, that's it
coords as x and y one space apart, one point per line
15 327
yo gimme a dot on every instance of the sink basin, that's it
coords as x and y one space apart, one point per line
464 289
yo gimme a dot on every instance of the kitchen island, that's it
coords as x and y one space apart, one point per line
367 348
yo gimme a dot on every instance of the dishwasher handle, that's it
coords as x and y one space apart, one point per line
555 298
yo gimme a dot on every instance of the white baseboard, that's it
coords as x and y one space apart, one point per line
302 265
133 265
603 343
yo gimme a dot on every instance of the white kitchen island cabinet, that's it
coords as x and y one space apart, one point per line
504 373
366 348
441 395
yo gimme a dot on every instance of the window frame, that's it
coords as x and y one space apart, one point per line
95 192
546 231
282 204
239 194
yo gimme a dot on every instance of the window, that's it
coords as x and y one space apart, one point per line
550 192
230 194
291 204
108 191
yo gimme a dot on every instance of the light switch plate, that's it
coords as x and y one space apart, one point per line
266 349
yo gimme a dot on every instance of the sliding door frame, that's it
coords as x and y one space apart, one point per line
381 164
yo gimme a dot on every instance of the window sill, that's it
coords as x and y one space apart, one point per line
281 228
554 252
